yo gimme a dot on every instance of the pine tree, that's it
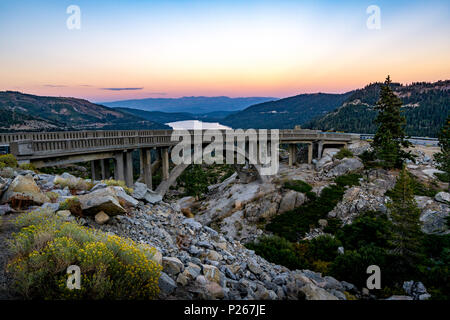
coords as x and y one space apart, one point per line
390 136
443 157
405 215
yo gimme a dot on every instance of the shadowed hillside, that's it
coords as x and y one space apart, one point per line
24 112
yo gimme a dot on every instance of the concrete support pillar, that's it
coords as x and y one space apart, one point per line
165 163
147 166
310 152
96 170
319 149
119 167
129 168
104 164
292 154
141 163
106 168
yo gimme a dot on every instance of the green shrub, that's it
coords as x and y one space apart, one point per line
27 166
369 159
293 224
118 183
334 224
324 248
352 265
298 185
368 228
8 160
195 180
351 179
73 205
343 153
320 266
278 250
444 177
111 267
53 196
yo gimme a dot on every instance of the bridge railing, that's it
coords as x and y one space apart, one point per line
6 138
51 143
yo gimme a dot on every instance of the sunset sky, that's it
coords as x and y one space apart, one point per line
141 48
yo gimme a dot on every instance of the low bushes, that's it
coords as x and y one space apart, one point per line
298 185
27 166
278 250
368 228
8 160
343 153
111 267
351 179
118 183
293 224
73 205
73 184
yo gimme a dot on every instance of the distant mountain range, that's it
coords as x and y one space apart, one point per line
25 112
166 117
425 106
195 105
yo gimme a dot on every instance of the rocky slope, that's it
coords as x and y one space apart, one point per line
204 257
198 262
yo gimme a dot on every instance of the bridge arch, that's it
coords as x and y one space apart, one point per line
176 172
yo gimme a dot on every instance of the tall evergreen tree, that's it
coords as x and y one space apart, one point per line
390 139
443 157
405 215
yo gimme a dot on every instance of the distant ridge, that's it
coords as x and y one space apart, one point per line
285 113
26 112
195 105
425 107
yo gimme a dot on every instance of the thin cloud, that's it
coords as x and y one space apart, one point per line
122 89
54 85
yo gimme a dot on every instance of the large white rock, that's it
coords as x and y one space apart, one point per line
139 190
24 188
172 265
442 197
430 172
288 202
101 200
326 159
330 152
101 218
152 197
313 292
345 166
434 222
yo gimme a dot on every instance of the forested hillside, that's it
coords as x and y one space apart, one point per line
285 113
24 112
425 106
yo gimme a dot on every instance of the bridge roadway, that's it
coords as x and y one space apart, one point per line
44 149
